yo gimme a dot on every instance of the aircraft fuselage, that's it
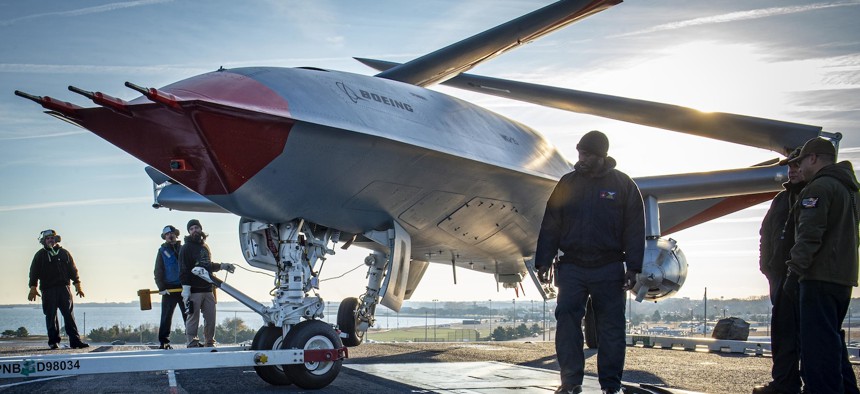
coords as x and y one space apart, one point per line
350 152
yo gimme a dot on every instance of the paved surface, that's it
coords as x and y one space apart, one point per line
375 368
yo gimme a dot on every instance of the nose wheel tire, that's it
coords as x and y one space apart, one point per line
312 335
347 321
269 338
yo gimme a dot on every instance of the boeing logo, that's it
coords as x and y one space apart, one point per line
370 96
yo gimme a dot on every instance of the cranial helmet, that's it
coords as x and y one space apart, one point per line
48 233
169 229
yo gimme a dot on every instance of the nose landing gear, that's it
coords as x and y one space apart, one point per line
269 338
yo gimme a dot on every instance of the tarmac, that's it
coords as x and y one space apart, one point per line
469 367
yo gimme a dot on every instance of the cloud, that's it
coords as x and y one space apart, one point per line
31 137
59 204
311 19
737 16
85 11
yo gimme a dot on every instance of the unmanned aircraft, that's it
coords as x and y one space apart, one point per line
313 159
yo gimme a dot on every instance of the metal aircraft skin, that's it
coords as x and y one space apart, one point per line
355 153
364 155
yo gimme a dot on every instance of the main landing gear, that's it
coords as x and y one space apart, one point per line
348 321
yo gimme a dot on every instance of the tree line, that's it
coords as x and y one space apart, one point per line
509 332
21 332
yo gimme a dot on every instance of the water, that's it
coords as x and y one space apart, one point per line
92 316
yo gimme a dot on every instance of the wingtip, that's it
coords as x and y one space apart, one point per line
379 65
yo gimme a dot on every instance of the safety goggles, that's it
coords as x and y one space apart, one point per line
48 233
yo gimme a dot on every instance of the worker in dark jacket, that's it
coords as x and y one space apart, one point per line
52 269
197 293
166 279
777 238
824 259
596 217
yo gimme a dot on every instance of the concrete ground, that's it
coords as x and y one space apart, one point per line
694 371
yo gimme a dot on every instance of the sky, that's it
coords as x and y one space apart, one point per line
790 60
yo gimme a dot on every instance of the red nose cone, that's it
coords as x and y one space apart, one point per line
228 128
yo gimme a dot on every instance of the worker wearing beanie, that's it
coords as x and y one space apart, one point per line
197 293
596 217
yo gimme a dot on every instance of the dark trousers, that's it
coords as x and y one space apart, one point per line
168 305
823 306
59 298
785 335
604 284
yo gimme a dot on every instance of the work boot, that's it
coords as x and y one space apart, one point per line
54 346
194 344
80 345
575 389
613 391
165 346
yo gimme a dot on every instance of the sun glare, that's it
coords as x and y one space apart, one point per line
705 75
708 76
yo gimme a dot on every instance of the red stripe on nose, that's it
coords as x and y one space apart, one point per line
214 144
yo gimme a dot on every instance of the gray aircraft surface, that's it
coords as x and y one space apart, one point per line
310 157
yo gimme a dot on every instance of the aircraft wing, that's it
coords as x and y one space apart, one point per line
447 62
680 215
686 200
775 135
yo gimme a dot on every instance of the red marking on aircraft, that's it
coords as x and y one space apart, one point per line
725 207
229 128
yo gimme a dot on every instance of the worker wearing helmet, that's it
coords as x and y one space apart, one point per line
52 269
167 278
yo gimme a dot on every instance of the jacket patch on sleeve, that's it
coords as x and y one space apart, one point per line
810 202
607 195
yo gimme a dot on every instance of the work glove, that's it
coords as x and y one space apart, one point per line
630 279
164 292
228 267
186 297
790 285
33 294
78 290
543 274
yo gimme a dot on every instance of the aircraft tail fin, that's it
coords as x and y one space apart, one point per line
449 61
